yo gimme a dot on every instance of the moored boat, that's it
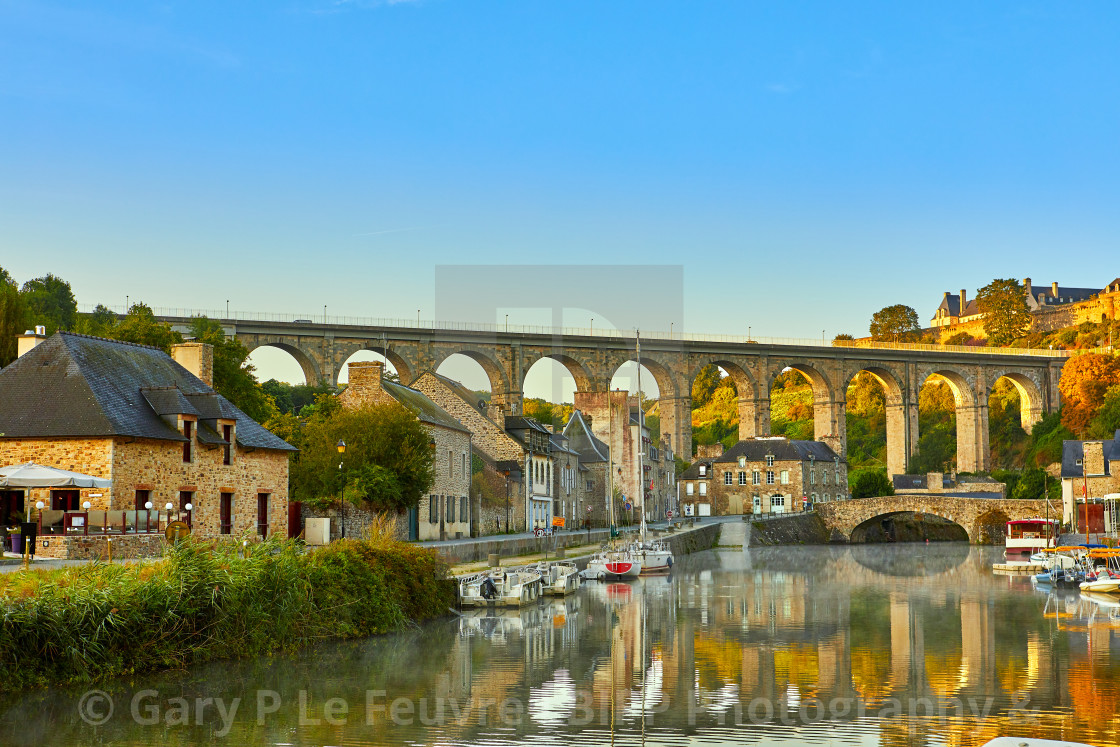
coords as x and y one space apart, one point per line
613 564
1026 537
655 555
500 588
558 578
1103 576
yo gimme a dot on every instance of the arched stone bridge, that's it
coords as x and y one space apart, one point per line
592 359
969 513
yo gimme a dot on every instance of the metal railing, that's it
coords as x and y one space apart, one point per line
233 317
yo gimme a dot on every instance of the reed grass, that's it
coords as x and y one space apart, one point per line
209 600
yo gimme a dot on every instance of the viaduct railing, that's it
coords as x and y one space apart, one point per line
233 317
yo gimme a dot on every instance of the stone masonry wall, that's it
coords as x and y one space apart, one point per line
96 547
90 456
490 438
158 466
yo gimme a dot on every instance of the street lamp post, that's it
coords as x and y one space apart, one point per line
342 489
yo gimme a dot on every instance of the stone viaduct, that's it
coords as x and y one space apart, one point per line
592 359
970 513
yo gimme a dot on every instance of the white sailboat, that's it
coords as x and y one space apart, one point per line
655 555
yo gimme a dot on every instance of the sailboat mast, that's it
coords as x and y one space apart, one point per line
641 444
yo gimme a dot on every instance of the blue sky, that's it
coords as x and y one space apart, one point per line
806 163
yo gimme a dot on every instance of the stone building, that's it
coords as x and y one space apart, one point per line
1090 472
594 461
763 475
955 310
446 512
568 481
149 422
518 449
614 421
1052 307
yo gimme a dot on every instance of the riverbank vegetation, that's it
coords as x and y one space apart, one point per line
206 601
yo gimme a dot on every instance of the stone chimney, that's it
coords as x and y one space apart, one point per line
1054 289
196 357
709 451
365 383
30 339
1093 458
964 300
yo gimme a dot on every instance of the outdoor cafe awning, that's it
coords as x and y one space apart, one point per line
31 475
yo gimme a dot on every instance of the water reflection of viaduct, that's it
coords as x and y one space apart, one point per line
774 631
592 360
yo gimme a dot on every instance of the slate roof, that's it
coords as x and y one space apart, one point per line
1074 451
591 450
952 304
560 444
693 471
1069 295
521 422
419 404
784 450
74 385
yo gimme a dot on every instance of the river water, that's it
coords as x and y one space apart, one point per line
892 645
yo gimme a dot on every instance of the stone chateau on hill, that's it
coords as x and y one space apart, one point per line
1052 307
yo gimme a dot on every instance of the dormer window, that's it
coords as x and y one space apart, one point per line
769 460
742 461
1078 462
703 470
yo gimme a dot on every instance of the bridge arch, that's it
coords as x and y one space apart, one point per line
829 418
579 372
970 411
495 371
406 371
900 419
971 513
876 526
1031 401
312 373
754 415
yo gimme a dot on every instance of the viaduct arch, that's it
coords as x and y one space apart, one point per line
321 350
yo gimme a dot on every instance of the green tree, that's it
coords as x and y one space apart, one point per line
704 385
234 376
870 483
842 336
1004 306
12 317
50 302
1107 420
897 323
141 326
1030 485
388 462
99 322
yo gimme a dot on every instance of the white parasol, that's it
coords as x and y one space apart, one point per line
31 475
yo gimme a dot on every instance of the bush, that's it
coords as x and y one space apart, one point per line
207 601
870 483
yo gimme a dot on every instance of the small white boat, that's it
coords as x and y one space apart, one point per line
559 578
655 555
1105 576
500 588
613 564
